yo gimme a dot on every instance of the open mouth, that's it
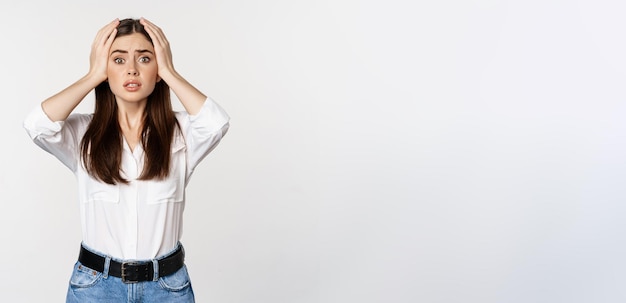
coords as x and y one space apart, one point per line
132 85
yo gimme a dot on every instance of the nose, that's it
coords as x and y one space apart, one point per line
132 71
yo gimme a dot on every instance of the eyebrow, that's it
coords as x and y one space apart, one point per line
137 51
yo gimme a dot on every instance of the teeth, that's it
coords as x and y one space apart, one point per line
132 85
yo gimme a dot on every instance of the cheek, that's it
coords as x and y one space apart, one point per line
150 76
152 71
112 74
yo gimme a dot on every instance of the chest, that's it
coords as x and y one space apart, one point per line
131 137
169 189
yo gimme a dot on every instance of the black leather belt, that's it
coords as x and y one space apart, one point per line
134 271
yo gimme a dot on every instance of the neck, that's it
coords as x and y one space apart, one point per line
131 115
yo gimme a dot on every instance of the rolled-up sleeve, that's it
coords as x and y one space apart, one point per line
59 138
203 131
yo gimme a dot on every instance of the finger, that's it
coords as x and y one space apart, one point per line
111 29
146 22
150 32
104 34
106 29
109 41
154 31
149 29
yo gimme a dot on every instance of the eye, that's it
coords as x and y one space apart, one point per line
144 59
118 60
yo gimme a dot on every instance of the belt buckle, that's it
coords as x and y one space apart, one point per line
125 273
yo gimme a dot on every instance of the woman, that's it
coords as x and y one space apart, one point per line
132 159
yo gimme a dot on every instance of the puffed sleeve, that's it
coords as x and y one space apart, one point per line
60 138
202 132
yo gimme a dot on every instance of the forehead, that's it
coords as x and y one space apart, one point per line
130 42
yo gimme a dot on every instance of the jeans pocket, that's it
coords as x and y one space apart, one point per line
83 277
177 281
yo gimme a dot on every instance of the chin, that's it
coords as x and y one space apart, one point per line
131 99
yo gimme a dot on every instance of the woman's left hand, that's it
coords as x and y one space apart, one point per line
161 48
191 98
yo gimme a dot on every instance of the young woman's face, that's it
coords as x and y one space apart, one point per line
132 68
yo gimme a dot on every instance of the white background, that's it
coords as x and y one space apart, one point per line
379 151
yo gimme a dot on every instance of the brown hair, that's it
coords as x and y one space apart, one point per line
101 146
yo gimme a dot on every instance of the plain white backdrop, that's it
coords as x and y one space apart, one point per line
379 151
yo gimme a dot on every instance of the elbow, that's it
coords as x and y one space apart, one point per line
225 128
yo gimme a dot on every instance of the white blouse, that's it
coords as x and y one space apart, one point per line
143 219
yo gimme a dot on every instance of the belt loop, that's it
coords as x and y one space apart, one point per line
107 264
155 265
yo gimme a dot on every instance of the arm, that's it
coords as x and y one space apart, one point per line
59 106
205 122
202 132
60 138
191 98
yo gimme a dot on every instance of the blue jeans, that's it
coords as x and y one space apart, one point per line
88 285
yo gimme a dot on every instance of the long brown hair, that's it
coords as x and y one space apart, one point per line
101 146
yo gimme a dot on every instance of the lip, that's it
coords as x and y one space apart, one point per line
132 85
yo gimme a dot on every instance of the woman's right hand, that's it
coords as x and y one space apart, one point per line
60 106
99 57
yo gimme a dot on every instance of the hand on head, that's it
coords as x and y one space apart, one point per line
100 47
161 48
104 39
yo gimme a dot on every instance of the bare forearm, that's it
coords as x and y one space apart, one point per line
191 98
61 105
